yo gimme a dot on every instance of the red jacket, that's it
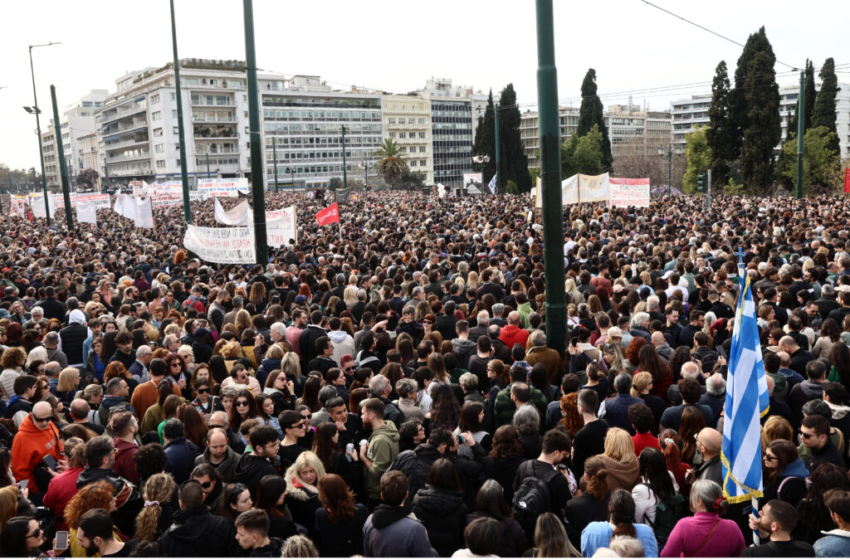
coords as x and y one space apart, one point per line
642 441
513 335
29 446
124 465
61 490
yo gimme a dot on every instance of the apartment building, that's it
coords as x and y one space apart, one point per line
407 121
76 121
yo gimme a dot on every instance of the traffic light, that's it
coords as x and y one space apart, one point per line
701 183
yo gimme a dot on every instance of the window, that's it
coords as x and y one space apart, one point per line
392 134
160 163
173 96
402 135
176 130
423 162
391 120
156 115
422 121
421 135
159 148
413 163
174 113
155 98
421 149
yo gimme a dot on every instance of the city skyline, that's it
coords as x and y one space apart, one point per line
396 56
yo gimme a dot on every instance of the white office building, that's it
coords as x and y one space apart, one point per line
76 121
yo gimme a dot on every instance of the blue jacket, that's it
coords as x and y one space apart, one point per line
181 455
617 412
391 532
835 544
598 535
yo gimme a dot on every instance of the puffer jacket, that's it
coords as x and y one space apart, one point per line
443 514
302 502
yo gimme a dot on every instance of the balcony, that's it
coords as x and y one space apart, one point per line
215 133
126 143
203 103
117 159
123 113
202 119
141 170
214 86
126 128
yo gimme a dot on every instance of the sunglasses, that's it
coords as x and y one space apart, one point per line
307 418
214 426
429 322
206 485
175 364
241 403
237 489
34 534
769 457
349 368
37 419
203 391
804 435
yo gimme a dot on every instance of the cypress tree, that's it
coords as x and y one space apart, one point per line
764 130
514 162
739 110
591 113
824 113
719 133
485 141
811 94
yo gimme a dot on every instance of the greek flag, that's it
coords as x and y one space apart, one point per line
492 184
747 401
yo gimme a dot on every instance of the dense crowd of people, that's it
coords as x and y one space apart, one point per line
383 387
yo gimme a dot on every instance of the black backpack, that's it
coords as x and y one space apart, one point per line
533 497
667 513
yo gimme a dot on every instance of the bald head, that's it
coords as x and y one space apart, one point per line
79 410
42 410
513 318
788 344
712 441
657 339
784 359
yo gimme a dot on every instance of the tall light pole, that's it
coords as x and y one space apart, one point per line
35 110
181 134
274 155
257 189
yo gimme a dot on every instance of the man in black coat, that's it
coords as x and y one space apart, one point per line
180 451
53 309
251 468
197 533
308 337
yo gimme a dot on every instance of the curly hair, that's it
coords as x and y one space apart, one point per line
13 357
158 489
115 369
96 495
505 443
633 350
572 421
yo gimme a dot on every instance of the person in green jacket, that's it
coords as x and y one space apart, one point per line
504 407
381 450
524 309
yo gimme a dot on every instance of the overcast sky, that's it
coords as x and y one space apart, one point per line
397 45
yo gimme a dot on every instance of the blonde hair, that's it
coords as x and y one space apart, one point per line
159 488
291 365
619 446
640 382
306 459
349 295
67 379
231 350
8 504
37 353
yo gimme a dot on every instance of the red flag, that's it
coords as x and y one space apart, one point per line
329 215
847 180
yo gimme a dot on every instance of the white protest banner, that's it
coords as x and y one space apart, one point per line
195 196
122 208
221 245
19 205
585 188
167 195
629 192
86 212
281 227
140 188
239 215
223 187
143 212
37 204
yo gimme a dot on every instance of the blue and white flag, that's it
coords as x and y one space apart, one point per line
492 184
747 401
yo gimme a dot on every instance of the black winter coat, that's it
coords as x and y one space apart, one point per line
198 534
443 514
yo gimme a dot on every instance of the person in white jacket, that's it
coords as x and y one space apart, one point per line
656 485
342 341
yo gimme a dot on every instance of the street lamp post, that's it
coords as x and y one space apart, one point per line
482 161
365 167
274 151
35 110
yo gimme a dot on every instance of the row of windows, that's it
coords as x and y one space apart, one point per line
330 141
404 135
321 114
283 128
403 120
274 101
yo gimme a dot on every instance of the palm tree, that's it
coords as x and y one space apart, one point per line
391 166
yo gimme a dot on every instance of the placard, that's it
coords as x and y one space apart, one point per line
629 192
223 187
234 245
281 226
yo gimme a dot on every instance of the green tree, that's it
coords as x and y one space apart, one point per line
335 183
699 156
821 164
784 160
582 154
739 106
720 135
764 130
411 180
811 93
513 162
485 141
511 188
824 113
591 114
391 166
87 178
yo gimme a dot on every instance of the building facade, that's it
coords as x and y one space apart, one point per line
688 115
76 121
407 121
303 121
88 155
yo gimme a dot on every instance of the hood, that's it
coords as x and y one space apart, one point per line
249 466
271 550
385 515
839 411
337 337
511 329
438 502
459 345
388 430
121 445
192 528
77 317
90 475
837 533
269 364
27 427
109 401
428 452
524 307
796 468
811 390
296 490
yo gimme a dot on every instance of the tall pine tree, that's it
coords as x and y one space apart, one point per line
591 113
787 158
811 93
514 162
824 113
485 142
719 134
739 109
764 130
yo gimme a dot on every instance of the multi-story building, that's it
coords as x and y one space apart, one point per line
630 129
693 112
77 120
88 154
137 127
303 120
688 115
407 121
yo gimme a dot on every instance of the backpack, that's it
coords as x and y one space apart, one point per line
667 513
533 497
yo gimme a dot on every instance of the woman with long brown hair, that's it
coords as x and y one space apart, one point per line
670 444
592 504
504 459
621 522
693 422
340 520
